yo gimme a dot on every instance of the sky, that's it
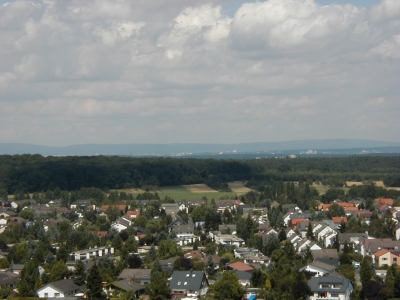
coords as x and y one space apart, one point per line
192 71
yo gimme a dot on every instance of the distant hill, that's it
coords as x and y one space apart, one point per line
182 149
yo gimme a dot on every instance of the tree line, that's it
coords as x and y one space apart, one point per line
35 173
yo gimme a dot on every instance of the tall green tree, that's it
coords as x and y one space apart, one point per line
228 287
80 273
94 282
29 277
366 271
58 271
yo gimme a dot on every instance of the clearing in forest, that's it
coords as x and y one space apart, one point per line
379 183
199 188
238 187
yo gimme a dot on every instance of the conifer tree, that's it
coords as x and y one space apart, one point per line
80 273
28 279
366 271
210 266
152 253
94 282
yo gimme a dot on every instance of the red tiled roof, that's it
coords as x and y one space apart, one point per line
381 252
120 207
350 208
339 219
326 206
240 266
101 233
295 221
345 204
387 201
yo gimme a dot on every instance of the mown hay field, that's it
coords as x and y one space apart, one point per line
238 187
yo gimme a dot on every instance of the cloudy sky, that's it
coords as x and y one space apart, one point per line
183 71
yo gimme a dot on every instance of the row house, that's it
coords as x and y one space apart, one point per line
92 252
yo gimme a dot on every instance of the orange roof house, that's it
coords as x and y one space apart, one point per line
132 214
344 204
354 208
338 220
121 207
295 221
101 233
325 207
387 201
386 257
240 266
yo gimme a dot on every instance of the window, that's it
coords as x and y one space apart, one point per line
384 258
334 294
337 286
179 283
46 295
56 294
185 283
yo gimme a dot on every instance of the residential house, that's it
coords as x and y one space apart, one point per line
328 256
227 204
240 266
365 216
189 283
318 268
177 221
132 214
330 287
121 224
185 204
116 288
352 239
228 239
386 257
8 279
386 201
251 256
141 276
59 289
370 246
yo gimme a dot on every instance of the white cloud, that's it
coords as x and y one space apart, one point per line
183 71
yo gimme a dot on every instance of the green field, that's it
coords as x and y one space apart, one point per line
180 193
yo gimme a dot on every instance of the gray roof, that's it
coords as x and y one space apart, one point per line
128 285
135 274
183 228
187 280
63 285
315 282
346 237
8 278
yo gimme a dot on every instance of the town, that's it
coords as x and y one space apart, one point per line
250 247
